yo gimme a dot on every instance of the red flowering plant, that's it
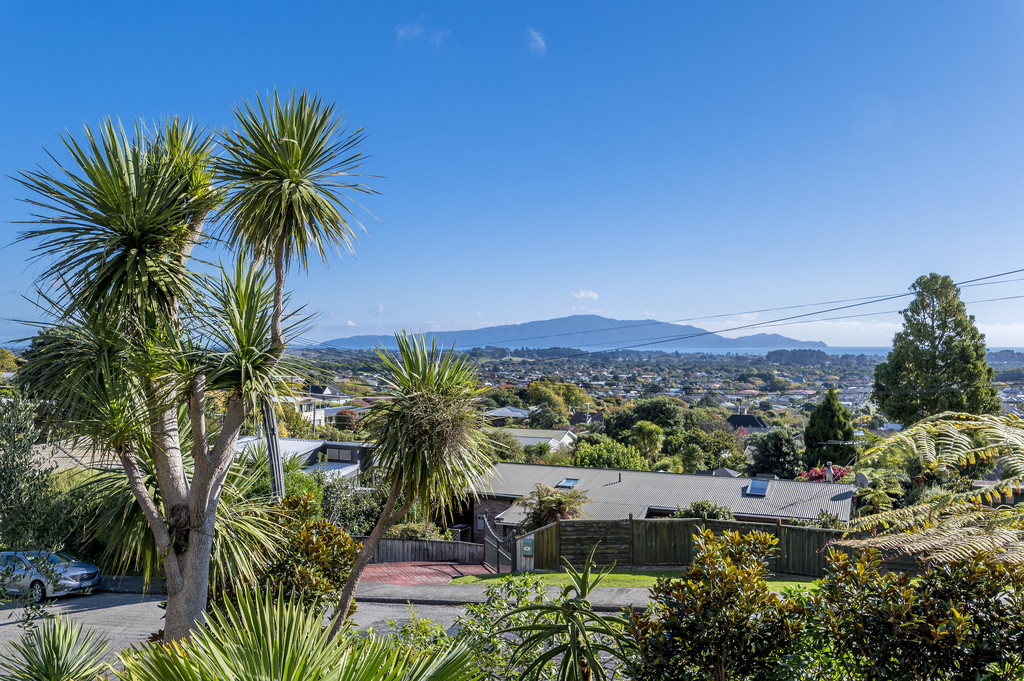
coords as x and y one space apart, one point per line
818 474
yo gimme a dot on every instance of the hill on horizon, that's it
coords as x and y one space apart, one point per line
592 333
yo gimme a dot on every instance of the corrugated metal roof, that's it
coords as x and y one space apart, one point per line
288 446
616 494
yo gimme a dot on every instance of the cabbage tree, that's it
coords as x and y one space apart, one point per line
139 340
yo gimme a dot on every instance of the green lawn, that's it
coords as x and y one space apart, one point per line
633 578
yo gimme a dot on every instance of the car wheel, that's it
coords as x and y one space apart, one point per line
38 592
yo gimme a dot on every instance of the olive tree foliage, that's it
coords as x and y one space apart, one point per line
24 478
141 341
938 361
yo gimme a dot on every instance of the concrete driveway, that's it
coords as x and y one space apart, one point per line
128 619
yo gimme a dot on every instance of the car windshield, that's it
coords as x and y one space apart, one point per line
53 558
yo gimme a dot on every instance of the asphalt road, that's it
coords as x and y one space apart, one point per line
127 619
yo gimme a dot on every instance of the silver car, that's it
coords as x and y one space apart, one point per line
45 574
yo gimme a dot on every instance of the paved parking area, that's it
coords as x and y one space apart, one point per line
128 619
419 573
125 619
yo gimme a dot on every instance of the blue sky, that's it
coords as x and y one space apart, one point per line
664 160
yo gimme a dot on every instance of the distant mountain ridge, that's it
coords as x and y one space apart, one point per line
593 333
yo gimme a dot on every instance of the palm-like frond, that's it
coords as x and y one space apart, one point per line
429 436
569 631
264 638
287 168
957 526
59 650
238 352
247 533
117 218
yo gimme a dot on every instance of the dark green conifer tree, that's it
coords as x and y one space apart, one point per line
830 421
937 362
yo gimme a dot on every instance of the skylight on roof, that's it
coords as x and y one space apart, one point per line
567 483
757 488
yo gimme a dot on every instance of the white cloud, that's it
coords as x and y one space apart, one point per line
585 294
350 323
438 36
479 314
405 32
537 45
379 310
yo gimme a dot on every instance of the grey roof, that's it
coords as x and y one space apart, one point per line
289 447
533 436
508 413
616 494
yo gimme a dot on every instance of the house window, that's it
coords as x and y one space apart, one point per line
567 483
339 455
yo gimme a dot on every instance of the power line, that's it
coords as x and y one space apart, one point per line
782 321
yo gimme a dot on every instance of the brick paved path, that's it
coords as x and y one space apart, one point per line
410 574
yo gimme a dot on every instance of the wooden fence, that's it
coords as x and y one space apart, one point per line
412 550
666 542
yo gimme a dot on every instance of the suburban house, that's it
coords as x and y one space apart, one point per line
345 459
555 438
615 495
750 423
326 393
306 406
508 413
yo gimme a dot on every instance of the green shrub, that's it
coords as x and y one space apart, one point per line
705 509
353 508
960 620
720 621
418 530
312 565
609 455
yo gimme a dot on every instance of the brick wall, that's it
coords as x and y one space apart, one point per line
489 507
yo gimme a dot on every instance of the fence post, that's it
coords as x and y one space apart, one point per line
632 559
558 543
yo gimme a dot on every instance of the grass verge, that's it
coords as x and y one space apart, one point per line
632 578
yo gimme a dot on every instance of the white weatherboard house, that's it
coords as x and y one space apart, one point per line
555 438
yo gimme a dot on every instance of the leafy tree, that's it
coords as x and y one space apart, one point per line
664 412
938 361
287 168
544 417
291 423
24 478
8 362
647 437
609 455
350 506
546 504
430 448
505 446
775 453
537 451
697 450
541 395
573 396
829 421
705 509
